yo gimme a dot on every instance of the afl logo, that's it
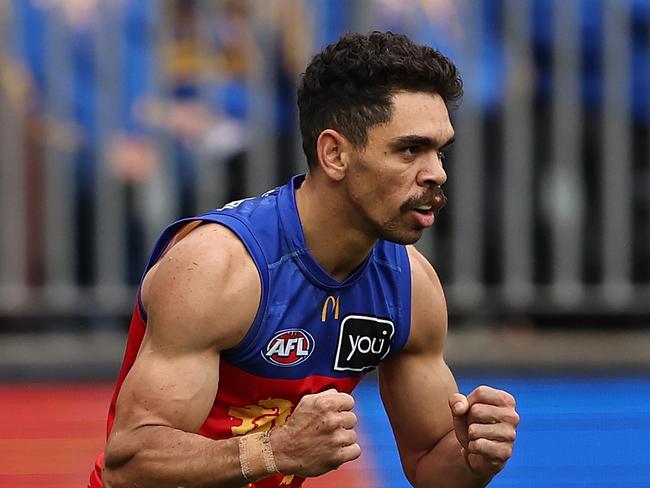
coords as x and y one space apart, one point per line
289 347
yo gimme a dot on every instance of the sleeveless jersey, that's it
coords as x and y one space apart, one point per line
311 332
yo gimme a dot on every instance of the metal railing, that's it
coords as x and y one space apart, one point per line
549 200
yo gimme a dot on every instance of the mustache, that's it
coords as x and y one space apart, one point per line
435 197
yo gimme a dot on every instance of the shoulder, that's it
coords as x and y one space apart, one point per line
206 285
428 305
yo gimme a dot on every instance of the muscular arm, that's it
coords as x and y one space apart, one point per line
201 299
416 387
199 302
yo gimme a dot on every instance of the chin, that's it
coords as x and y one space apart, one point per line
401 237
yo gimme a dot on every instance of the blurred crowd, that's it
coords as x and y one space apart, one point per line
180 73
182 90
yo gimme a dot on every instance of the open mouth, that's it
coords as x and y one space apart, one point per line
424 209
428 204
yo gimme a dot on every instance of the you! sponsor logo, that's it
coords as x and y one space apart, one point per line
289 347
363 342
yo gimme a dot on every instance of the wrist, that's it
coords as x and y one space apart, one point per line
280 441
256 457
468 465
473 472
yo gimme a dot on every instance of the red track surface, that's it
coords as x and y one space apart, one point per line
51 434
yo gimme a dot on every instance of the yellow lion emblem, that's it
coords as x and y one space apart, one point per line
269 413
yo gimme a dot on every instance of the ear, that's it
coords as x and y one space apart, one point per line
333 151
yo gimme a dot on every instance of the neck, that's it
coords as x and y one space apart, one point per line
332 235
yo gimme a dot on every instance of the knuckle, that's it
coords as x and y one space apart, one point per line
478 410
330 422
339 438
474 446
512 418
351 437
353 419
350 399
310 398
510 399
324 403
472 431
307 401
340 457
508 451
474 410
350 452
310 401
356 450
482 445
504 453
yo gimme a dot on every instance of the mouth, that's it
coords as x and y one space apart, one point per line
431 203
425 209
424 218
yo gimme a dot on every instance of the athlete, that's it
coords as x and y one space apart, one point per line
255 322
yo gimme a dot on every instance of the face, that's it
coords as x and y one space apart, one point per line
395 181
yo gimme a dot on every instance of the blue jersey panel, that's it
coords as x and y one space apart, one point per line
308 323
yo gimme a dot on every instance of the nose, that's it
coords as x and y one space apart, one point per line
433 174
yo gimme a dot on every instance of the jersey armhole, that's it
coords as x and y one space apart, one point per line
163 244
404 292
245 235
256 252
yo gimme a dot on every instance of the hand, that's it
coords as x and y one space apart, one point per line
319 436
485 423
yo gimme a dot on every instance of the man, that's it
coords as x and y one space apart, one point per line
255 321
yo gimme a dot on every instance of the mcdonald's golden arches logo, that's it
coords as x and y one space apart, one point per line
333 303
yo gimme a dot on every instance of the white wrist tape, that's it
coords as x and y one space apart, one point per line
256 456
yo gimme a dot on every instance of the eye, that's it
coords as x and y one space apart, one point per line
410 150
442 155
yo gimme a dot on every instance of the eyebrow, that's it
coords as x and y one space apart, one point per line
449 142
415 140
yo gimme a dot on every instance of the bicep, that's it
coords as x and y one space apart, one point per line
167 387
199 302
415 389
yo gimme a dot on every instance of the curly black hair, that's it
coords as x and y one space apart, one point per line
348 85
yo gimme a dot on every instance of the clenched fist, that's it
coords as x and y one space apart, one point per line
485 423
319 436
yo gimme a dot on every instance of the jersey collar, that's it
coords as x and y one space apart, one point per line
294 238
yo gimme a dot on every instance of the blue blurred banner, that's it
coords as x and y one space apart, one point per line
574 432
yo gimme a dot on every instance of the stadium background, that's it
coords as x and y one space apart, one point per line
118 116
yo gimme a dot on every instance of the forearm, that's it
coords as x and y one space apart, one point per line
158 456
445 467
